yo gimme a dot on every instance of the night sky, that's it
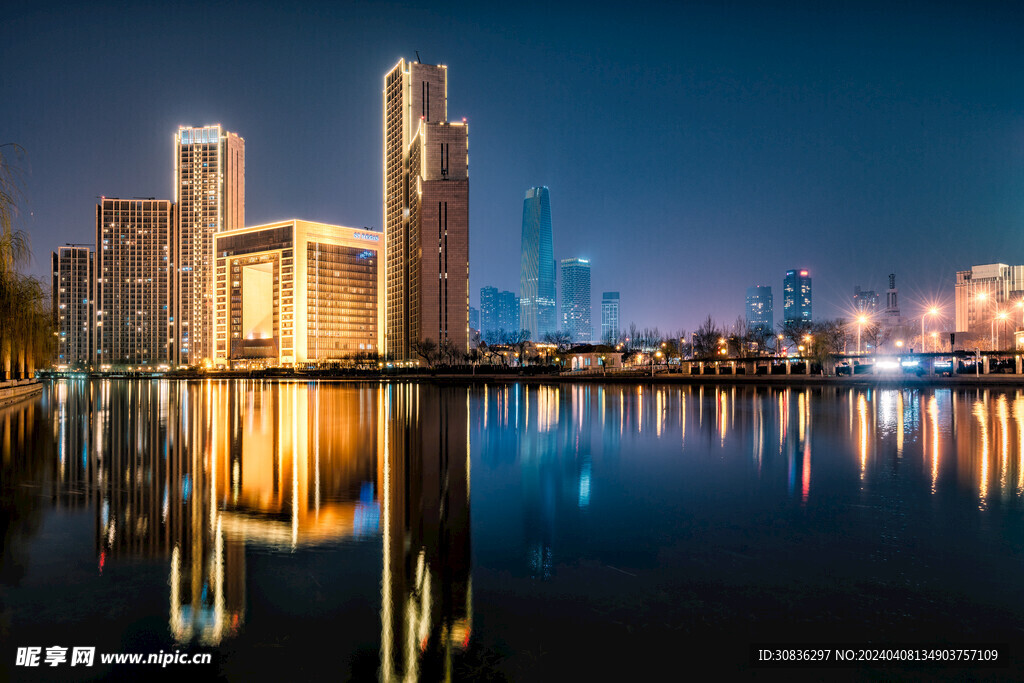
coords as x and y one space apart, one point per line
691 151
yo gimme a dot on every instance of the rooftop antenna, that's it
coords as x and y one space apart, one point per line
417 56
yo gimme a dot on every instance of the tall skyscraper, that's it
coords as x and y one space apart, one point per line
537 266
426 212
134 276
609 316
209 191
796 292
73 277
760 308
488 311
576 308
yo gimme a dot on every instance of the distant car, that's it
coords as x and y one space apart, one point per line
843 369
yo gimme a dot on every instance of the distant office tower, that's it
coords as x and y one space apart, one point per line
537 266
760 308
609 316
474 318
983 291
576 307
865 302
295 292
209 189
134 276
426 212
73 277
796 291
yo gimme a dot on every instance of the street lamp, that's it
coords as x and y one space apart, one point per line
983 296
861 319
931 311
779 349
1001 316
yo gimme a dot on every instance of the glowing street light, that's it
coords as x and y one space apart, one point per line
1001 317
931 311
861 319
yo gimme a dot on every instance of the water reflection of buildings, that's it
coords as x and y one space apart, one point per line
193 472
426 585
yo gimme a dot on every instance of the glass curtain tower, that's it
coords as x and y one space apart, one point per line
537 266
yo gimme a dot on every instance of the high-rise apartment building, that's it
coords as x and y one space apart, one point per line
760 308
73 314
295 292
983 291
576 307
426 212
499 313
508 311
796 293
209 190
134 276
537 266
610 316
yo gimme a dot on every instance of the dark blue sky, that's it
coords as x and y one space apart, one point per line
691 150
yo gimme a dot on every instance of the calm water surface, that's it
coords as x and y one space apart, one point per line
364 531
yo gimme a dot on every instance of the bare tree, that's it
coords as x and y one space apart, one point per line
705 339
426 349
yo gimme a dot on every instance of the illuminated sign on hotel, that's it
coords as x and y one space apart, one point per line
365 236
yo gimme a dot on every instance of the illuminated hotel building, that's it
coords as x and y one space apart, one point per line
73 275
426 212
760 308
296 292
134 276
984 291
209 188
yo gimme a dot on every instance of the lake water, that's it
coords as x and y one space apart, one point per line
504 531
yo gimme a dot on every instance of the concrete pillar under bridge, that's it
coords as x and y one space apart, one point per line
985 365
789 367
1017 365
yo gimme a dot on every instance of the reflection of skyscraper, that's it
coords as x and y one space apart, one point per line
537 266
426 610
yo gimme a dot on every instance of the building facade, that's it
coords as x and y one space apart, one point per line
796 292
576 306
426 213
865 301
134 283
499 313
610 316
73 275
537 266
209 187
984 291
760 308
294 293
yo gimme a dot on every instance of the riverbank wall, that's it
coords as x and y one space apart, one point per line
19 390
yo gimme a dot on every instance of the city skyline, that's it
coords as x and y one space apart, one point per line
864 159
